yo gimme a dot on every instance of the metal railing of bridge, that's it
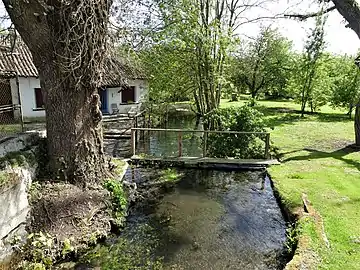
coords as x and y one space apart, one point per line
180 133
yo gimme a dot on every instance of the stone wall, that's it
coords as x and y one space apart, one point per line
20 142
14 187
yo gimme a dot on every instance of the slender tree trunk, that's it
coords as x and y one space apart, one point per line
357 125
303 104
349 113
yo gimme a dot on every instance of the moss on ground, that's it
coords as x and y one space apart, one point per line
18 159
120 166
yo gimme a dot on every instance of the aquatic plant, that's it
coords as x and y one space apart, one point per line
118 197
170 175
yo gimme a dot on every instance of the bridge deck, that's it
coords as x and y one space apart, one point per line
205 162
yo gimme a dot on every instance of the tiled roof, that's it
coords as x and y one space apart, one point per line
117 71
19 60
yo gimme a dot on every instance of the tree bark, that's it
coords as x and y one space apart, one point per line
69 58
74 129
350 10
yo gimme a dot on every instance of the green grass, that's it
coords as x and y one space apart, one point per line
10 128
316 162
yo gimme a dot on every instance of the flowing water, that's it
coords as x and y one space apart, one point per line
205 220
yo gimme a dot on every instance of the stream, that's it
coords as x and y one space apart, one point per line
204 220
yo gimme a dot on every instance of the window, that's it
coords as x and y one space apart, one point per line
39 101
128 94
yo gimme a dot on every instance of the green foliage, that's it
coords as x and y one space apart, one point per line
126 254
41 251
67 248
292 234
262 66
170 175
119 198
35 192
244 119
168 74
310 68
345 91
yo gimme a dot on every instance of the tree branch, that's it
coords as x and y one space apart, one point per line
303 17
350 10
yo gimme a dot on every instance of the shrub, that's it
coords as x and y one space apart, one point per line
244 119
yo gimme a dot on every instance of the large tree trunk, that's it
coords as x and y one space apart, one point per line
67 40
350 10
74 129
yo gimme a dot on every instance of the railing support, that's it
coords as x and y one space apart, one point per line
180 143
205 144
133 142
205 138
267 146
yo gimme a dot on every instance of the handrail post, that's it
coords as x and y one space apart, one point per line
180 143
133 142
267 146
205 143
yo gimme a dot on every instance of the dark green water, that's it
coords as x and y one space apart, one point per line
166 143
207 220
160 143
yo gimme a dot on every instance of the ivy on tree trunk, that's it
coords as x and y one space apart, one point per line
67 40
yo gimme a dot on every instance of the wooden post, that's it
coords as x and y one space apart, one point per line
205 144
180 143
136 125
133 142
267 146
20 103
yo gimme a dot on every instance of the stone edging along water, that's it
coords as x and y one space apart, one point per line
17 173
302 255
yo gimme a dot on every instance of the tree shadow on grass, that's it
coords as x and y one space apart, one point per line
286 116
355 201
338 154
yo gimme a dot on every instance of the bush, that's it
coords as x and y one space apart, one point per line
245 119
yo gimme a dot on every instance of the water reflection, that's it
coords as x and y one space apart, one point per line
166 143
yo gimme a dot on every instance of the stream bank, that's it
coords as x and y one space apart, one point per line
42 221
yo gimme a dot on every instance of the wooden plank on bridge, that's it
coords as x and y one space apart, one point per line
205 162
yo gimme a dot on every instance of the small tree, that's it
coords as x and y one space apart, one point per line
346 87
263 66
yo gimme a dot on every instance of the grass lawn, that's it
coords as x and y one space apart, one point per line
316 162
